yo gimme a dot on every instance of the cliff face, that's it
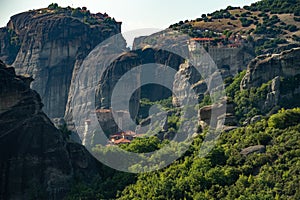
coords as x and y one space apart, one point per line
283 70
266 67
35 161
9 45
51 43
106 73
131 60
187 74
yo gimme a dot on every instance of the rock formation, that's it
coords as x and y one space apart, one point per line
187 76
266 67
9 45
227 114
35 161
48 44
106 72
131 60
281 72
253 149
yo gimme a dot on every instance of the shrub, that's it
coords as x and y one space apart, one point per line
291 28
271 21
262 14
246 22
297 13
296 38
297 19
77 13
247 7
233 17
285 118
244 15
229 8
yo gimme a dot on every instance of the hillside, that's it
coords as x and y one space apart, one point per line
259 161
270 25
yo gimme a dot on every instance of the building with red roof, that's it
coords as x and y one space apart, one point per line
122 141
122 137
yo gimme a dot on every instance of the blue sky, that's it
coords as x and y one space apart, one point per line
134 14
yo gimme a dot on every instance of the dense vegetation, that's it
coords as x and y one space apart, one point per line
248 102
276 6
226 174
105 186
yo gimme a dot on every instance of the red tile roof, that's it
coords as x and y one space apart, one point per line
122 141
123 133
103 111
203 39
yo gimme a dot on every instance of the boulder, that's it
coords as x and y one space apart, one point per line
255 119
253 149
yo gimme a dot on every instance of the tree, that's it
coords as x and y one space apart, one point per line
250 39
53 6
65 131
245 22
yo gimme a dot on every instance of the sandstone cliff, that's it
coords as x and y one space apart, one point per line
48 43
35 161
131 60
281 72
98 76
266 67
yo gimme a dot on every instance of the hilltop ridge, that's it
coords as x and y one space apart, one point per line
272 26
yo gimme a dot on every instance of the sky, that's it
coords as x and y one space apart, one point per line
149 15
